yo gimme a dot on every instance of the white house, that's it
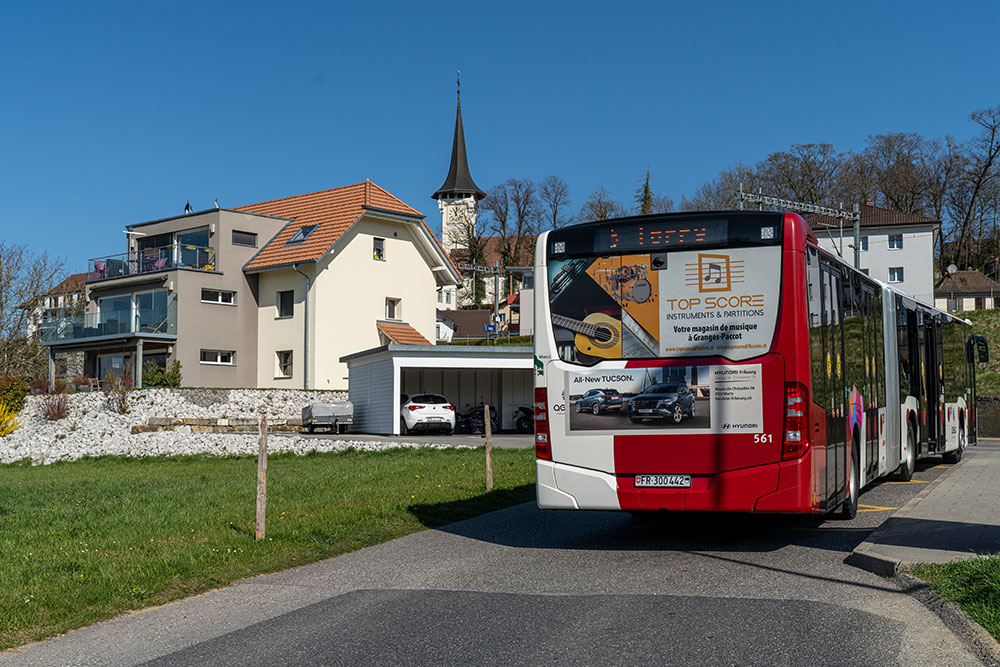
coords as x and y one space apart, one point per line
355 268
896 247
966 290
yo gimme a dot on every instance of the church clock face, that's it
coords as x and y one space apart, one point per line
456 214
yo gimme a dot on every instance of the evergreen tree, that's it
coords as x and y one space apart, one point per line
644 197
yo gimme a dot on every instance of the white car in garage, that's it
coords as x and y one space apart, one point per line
426 412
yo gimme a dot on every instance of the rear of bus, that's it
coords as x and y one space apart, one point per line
698 322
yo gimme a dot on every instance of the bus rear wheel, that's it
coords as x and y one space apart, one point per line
956 455
905 470
849 509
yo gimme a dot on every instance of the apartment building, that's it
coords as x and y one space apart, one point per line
271 294
178 292
895 247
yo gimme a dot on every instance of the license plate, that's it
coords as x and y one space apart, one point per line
663 481
435 419
645 411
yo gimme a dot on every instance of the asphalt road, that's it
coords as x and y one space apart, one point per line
619 421
524 586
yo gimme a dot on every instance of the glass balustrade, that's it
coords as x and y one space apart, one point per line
152 313
178 256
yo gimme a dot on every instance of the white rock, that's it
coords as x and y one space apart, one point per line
93 428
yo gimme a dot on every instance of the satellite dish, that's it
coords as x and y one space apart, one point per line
952 268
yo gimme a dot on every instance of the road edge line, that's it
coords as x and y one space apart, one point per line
982 644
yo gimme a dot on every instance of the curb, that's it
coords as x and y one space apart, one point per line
975 636
865 558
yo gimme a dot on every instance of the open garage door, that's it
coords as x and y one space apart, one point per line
507 389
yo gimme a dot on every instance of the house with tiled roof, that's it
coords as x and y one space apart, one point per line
270 294
895 247
966 290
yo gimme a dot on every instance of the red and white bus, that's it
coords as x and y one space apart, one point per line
750 370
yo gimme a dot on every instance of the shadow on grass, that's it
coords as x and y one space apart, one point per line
435 515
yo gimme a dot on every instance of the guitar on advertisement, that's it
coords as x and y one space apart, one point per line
598 335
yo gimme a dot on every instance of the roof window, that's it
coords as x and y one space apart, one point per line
301 235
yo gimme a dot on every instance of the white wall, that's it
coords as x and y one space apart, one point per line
351 289
916 256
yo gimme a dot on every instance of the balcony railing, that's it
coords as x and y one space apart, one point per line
152 259
159 320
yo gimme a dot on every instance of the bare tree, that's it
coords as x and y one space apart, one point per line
471 248
805 172
721 192
24 277
979 171
515 209
600 206
553 194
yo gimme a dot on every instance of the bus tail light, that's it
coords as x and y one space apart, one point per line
796 438
543 449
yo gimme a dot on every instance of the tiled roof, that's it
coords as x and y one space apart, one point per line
469 323
73 283
401 333
966 282
332 211
491 252
872 216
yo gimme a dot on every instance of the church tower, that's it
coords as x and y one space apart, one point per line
458 195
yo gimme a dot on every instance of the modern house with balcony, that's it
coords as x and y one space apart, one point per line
266 295
177 292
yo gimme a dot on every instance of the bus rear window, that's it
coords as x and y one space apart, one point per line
722 302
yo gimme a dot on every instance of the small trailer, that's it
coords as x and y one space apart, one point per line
337 417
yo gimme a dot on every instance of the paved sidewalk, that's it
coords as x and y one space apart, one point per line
956 517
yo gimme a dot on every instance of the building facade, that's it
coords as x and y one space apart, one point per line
265 295
966 290
895 247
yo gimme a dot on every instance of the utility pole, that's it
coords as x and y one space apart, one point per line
801 207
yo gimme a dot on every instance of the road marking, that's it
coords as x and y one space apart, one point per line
912 481
942 467
874 508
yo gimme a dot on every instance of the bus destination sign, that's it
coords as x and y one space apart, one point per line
660 235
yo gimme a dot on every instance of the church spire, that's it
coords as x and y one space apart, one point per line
459 182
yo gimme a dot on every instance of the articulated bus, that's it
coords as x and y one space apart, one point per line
725 362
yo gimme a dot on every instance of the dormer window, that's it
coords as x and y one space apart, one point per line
301 235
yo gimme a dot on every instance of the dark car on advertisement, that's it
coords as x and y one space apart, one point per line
667 400
599 400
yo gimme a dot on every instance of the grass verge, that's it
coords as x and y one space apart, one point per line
87 540
973 585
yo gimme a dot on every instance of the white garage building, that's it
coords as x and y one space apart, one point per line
464 374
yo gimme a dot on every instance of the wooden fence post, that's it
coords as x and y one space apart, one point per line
261 475
488 425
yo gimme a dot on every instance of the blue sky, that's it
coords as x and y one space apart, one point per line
114 113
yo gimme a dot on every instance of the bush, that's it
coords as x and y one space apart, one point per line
81 381
12 392
55 406
154 376
8 418
39 386
116 389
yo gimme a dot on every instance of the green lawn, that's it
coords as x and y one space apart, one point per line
974 585
987 323
84 541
